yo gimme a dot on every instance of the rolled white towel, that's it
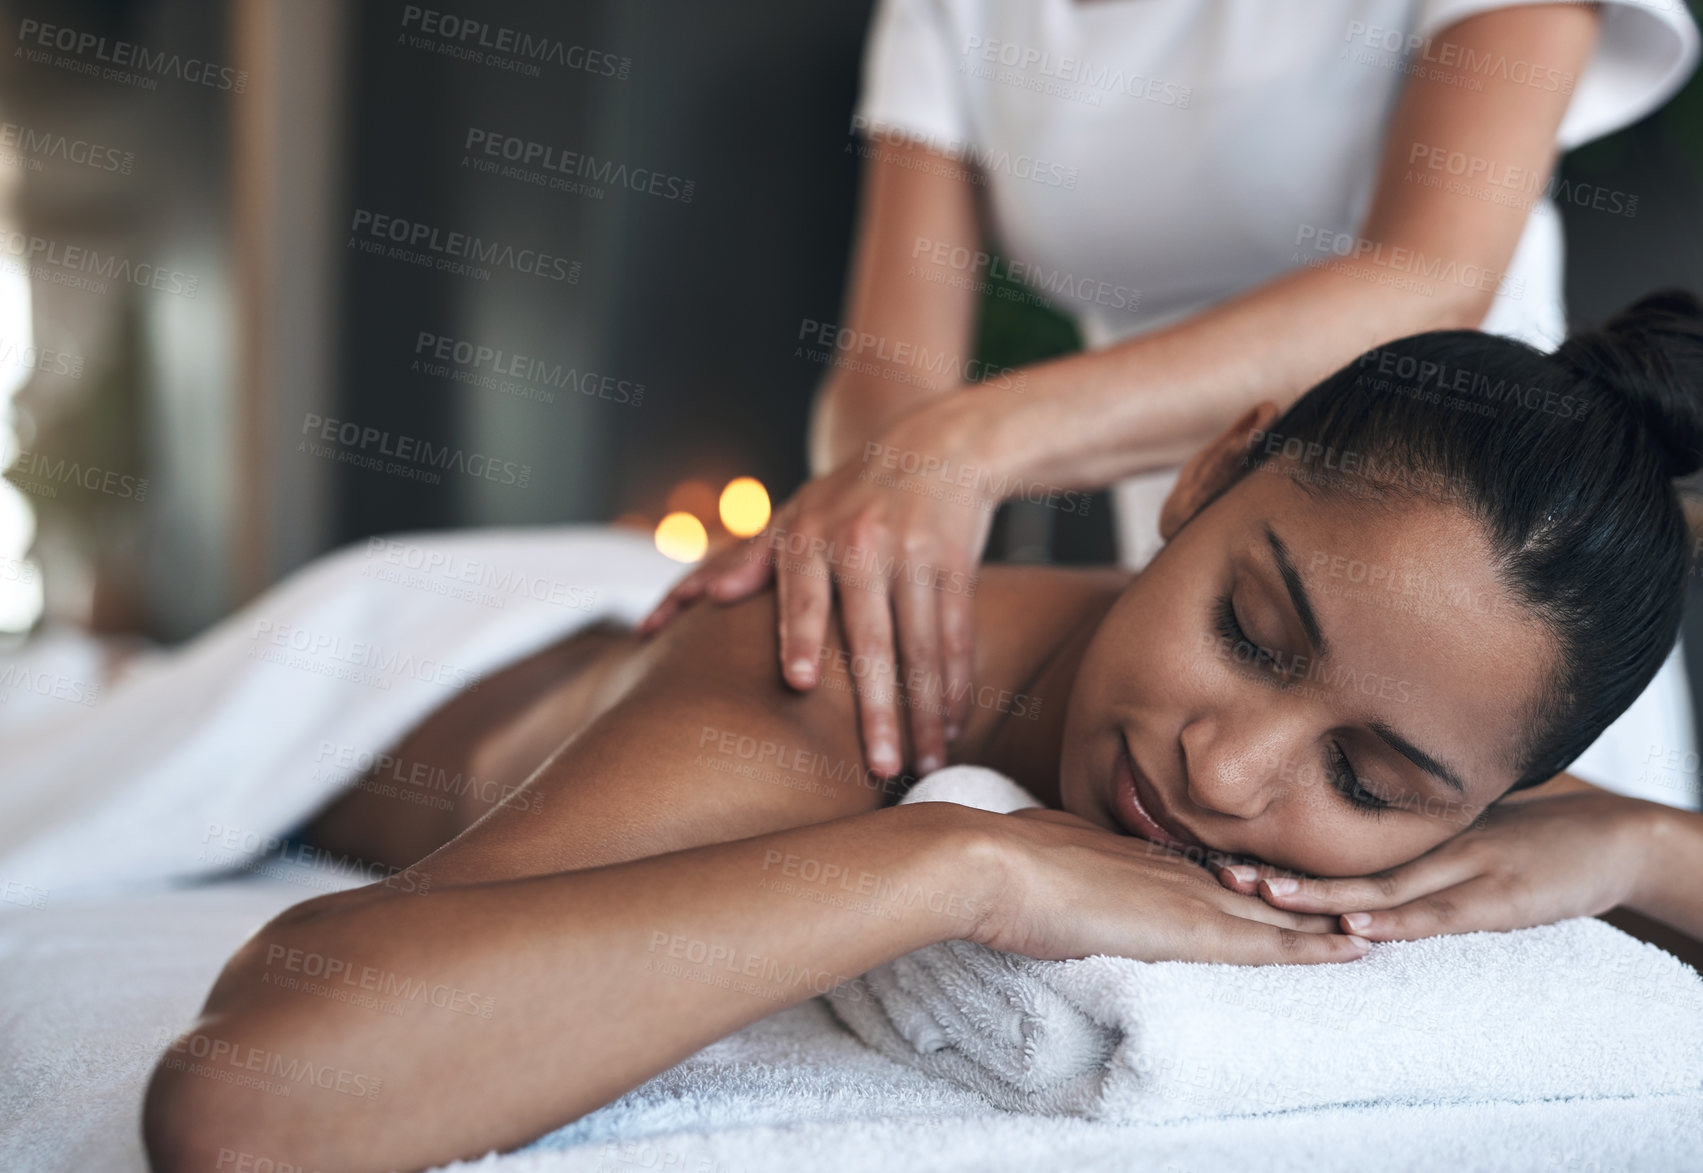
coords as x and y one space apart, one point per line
1571 1009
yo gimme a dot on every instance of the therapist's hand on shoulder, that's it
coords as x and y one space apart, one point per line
897 532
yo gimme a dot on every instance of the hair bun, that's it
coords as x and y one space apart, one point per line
1651 355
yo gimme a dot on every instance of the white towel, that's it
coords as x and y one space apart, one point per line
199 761
1566 1010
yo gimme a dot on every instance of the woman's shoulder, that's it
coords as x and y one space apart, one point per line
1018 581
1022 613
1017 608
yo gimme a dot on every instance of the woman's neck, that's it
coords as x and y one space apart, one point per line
1027 749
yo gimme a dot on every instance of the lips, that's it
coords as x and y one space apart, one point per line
1137 807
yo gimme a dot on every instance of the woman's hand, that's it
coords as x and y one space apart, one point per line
1072 889
1522 864
898 533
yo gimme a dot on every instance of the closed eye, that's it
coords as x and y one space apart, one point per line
1348 784
1337 766
1230 629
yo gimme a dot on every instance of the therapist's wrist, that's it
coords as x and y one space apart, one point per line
852 409
956 438
1068 425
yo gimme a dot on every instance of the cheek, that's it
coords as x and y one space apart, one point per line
1156 644
1352 844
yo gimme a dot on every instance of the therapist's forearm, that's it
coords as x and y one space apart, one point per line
1084 421
902 303
1151 402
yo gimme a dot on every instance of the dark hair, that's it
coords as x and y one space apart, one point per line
1567 461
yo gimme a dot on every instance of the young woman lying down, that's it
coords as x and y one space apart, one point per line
1232 703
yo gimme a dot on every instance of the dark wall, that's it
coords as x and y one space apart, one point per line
699 301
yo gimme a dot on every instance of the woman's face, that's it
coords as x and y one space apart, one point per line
1317 682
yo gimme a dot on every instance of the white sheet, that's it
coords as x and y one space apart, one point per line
86 991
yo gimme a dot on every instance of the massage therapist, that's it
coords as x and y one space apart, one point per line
1232 198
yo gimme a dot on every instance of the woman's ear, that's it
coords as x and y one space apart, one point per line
1214 467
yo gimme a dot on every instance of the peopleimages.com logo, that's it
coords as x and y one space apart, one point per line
123 61
500 47
402 454
420 241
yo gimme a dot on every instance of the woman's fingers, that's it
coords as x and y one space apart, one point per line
1402 905
1336 894
1240 941
868 620
1306 922
919 647
1246 903
1280 887
1245 877
1464 908
804 597
1358 893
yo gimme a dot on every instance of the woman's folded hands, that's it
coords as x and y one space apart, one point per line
1068 888
1521 864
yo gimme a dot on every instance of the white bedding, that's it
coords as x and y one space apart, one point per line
86 990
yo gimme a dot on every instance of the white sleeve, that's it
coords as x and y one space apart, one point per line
910 74
1647 50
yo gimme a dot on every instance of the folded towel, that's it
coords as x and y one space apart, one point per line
1570 1009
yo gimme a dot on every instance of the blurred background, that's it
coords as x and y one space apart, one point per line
227 343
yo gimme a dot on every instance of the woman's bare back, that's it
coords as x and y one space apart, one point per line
487 742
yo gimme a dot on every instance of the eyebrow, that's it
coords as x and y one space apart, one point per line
1418 756
1297 592
1310 621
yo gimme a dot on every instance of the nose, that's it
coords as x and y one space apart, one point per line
1238 764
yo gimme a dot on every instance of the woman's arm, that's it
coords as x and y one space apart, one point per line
708 852
1669 849
705 747
1670 884
559 992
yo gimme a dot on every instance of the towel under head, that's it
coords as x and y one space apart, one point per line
1571 1009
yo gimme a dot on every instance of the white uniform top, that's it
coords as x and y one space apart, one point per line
1144 159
